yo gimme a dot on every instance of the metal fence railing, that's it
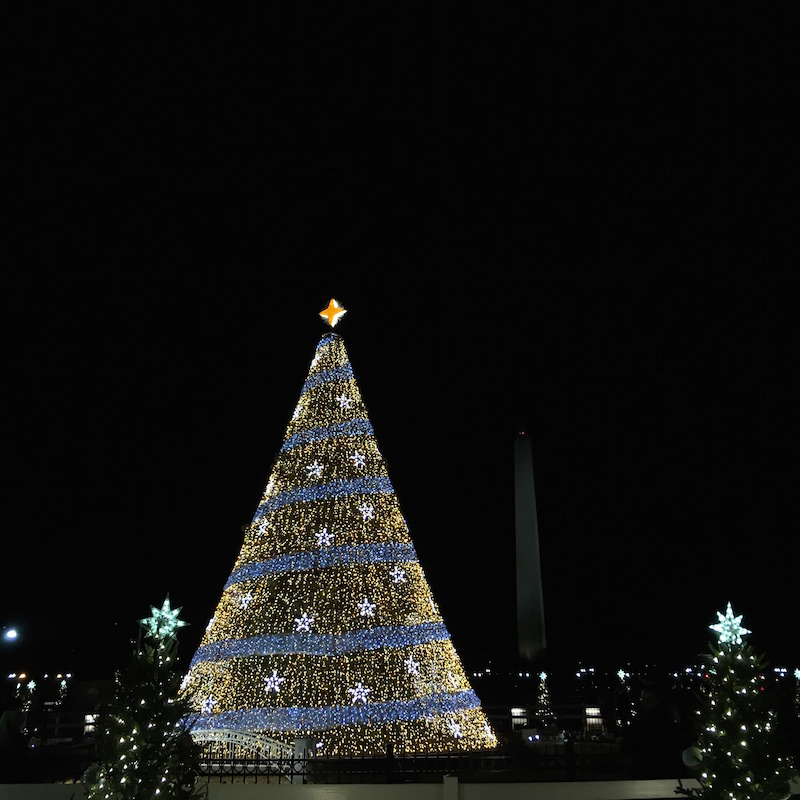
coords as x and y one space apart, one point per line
62 749
571 761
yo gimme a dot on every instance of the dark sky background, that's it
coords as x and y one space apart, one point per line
573 222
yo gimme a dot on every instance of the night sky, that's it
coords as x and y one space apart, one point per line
576 230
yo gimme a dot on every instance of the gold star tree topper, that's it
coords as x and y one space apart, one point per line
333 313
729 628
164 621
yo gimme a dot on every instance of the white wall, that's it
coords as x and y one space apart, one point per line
449 789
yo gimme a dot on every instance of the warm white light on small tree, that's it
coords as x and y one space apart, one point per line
739 754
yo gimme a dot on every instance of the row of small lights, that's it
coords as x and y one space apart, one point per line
583 672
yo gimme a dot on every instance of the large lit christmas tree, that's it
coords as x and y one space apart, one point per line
327 628
738 753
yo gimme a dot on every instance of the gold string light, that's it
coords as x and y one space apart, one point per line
327 626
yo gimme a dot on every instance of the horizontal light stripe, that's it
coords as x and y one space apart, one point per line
290 720
376 484
323 644
326 557
343 373
355 427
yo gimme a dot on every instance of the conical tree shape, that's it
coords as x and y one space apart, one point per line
327 627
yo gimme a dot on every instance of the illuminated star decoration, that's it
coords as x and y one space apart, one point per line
412 666
324 537
304 622
333 313
208 704
729 628
273 682
366 609
164 621
398 575
314 470
367 511
359 693
455 728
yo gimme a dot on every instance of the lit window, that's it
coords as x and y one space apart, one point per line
519 717
594 719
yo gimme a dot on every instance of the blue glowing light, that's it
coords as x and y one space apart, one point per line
371 484
328 557
323 644
356 427
295 719
343 373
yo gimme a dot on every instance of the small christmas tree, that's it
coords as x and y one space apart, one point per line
737 753
545 716
144 748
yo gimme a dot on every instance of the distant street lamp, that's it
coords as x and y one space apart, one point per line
10 634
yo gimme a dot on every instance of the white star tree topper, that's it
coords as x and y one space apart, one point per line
164 621
729 628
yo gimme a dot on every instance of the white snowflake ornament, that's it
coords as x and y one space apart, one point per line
273 682
366 609
398 575
358 459
359 693
303 622
324 537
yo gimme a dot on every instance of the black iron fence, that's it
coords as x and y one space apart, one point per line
66 762
62 749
